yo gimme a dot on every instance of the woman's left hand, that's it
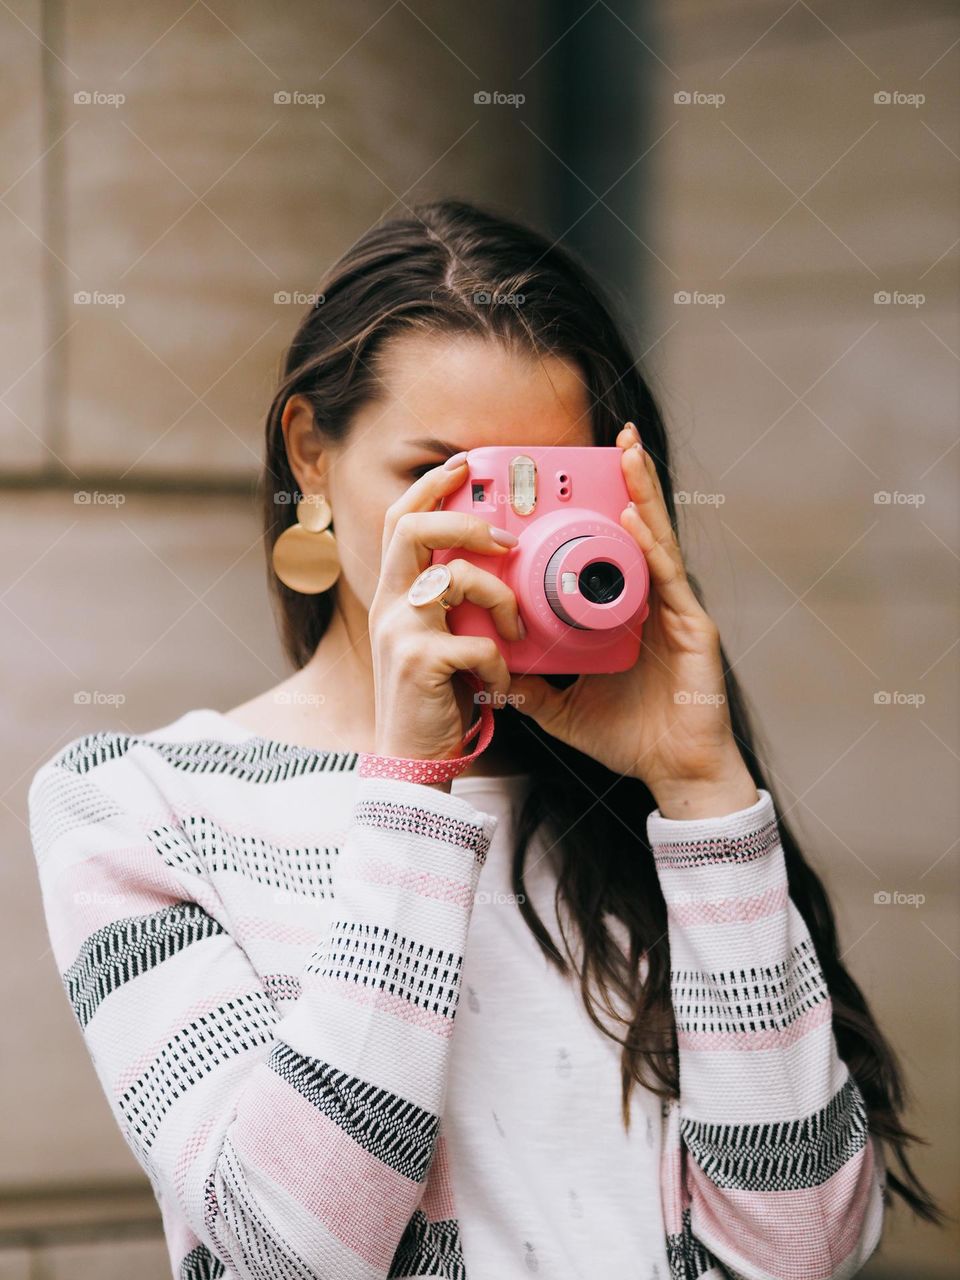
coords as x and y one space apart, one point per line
666 720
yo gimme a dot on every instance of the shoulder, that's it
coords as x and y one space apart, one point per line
100 754
104 775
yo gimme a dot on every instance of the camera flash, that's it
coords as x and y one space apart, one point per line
523 484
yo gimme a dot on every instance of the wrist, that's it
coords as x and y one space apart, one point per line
712 796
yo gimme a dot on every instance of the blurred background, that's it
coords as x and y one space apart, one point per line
769 190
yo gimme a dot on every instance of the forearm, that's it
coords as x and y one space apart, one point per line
780 1168
360 1062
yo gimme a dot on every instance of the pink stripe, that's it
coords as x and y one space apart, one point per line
107 887
362 1202
752 1040
437 1202
793 1235
274 931
427 885
383 1002
730 910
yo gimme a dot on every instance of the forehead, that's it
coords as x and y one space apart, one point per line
471 391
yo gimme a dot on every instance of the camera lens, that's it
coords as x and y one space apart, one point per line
600 582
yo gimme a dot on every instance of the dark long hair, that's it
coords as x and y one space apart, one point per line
447 268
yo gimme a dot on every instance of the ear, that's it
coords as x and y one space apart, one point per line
306 452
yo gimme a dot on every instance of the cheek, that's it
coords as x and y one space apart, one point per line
359 532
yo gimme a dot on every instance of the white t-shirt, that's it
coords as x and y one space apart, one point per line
532 1118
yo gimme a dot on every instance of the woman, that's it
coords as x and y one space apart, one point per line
577 1008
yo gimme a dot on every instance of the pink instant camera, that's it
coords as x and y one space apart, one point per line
581 582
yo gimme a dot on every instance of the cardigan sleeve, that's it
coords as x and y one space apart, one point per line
772 1171
295 1147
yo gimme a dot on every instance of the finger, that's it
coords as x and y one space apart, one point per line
423 495
479 586
643 486
417 533
667 573
538 699
475 653
627 435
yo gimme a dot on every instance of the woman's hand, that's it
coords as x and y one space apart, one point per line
665 720
418 713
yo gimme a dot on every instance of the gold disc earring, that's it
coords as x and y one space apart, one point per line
305 556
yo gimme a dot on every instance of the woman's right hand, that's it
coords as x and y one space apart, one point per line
418 715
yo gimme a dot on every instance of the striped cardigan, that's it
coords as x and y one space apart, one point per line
263 953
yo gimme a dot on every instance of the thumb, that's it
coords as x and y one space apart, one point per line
535 697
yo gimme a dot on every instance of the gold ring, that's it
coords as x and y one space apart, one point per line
431 586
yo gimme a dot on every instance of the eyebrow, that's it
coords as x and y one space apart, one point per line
435 445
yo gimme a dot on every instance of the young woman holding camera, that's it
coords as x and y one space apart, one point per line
367 1001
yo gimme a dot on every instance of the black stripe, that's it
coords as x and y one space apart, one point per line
749 1000
785 1156
429 1249
201 846
200 1264
686 1256
126 949
397 1132
374 956
258 760
242 1025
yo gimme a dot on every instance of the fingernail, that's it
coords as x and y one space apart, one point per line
638 446
503 536
633 428
521 628
456 460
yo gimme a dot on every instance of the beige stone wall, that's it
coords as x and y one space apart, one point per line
792 404
198 198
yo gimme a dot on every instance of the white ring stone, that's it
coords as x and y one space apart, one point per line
430 585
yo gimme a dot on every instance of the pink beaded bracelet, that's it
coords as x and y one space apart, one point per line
374 766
